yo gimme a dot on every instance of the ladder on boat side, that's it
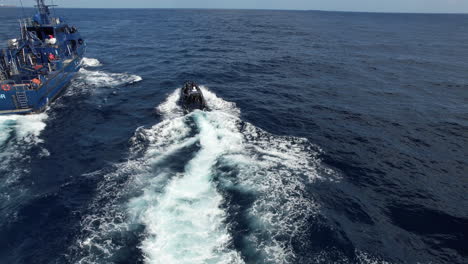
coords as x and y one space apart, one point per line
22 99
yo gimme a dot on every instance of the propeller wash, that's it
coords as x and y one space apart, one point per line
204 187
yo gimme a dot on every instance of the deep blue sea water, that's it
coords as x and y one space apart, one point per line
333 138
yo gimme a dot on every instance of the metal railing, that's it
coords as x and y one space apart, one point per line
29 22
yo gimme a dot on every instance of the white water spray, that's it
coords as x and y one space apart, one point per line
18 134
185 223
88 80
105 79
27 128
90 62
183 212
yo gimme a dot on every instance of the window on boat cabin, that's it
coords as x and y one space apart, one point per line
64 29
42 32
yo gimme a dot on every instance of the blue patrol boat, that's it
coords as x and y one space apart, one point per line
37 67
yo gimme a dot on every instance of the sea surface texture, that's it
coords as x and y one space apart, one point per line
332 138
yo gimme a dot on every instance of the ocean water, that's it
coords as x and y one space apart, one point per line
332 138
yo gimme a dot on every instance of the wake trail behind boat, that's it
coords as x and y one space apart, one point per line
22 127
185 224
177 191
99 78
89 79
18 135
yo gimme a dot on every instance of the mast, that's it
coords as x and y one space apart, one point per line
43 12
43 8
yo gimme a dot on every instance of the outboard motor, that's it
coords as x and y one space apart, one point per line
191 98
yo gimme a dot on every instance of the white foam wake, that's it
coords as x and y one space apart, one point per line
182 212
275 169
170 107
90 62
216 103
88 80
185 223
105 79
18 134
26 128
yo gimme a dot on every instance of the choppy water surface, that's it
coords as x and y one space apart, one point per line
333 138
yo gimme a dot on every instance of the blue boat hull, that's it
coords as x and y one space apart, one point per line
38 100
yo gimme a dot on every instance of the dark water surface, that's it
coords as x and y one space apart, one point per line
333 138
